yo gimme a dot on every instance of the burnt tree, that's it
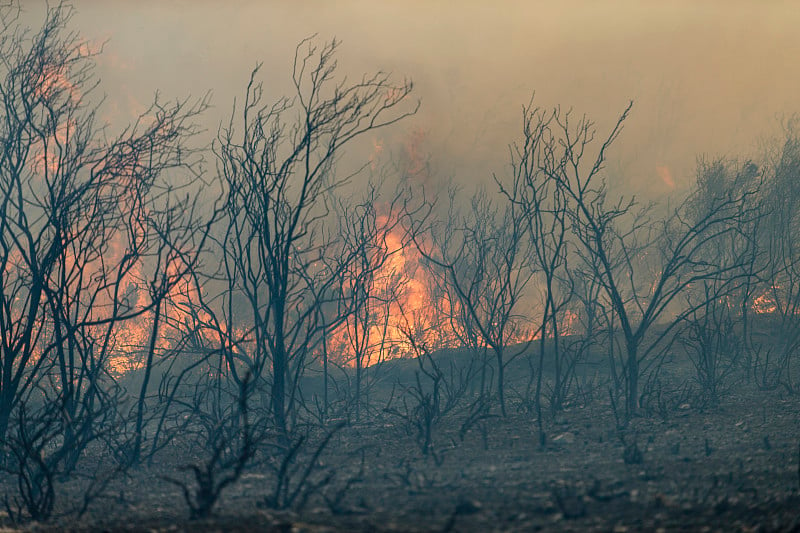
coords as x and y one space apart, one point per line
277 164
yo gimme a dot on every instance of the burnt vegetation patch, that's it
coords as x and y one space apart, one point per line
276 341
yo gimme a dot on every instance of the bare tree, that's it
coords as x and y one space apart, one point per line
717 333
623 243
544 210
376 234
95 232
484 254
777 297
225 434
437 389
92 238
277 165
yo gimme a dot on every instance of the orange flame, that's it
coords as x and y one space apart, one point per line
765 304
665 175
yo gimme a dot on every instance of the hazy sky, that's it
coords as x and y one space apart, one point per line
706 76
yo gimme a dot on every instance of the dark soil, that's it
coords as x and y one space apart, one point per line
677 466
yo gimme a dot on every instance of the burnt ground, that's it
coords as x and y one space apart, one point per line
677 466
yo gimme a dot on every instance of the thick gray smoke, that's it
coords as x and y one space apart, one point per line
707 77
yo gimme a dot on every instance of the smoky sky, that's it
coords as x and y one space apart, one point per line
707 77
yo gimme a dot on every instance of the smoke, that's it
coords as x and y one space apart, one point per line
707 77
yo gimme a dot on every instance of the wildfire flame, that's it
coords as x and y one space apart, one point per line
765 304
666 176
